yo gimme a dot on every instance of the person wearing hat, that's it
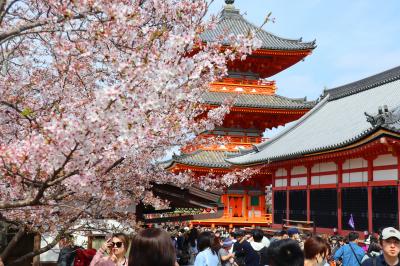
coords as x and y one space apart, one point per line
390 242
227 258
294 234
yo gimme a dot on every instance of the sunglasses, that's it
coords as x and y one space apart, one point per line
116 244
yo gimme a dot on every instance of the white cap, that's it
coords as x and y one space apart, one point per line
389 232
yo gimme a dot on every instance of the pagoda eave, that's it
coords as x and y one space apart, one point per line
178 167
267 63
282 52
285 111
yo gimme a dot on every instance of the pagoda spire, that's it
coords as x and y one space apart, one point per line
229 11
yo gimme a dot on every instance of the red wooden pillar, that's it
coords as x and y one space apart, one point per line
245 205
225 201
398 188
369 188
272 194
308 193
261 199
287 204
339 194
288 170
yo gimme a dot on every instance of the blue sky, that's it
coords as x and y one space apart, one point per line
355 39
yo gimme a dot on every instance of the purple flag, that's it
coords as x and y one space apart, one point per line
351 222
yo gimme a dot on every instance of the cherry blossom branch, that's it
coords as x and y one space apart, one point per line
61 233
4 10
53 180
16 31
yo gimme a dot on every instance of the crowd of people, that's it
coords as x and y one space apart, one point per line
218 247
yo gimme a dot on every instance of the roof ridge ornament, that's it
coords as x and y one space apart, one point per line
384 116
230 11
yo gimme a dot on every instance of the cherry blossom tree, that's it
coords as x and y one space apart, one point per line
92 94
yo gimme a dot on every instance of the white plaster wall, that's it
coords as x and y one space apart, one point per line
382 175
298 170
280 182
52 254
324 179
324 167
355 177
298 181
281 172
385 159
355 163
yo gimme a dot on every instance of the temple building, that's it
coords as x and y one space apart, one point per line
256 107
341 159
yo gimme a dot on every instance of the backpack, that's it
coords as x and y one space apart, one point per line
83 257
183 257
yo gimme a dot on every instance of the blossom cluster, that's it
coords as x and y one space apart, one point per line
92 94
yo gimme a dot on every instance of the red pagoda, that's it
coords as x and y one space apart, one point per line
256 108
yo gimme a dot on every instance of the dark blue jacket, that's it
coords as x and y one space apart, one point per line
380 261
252 257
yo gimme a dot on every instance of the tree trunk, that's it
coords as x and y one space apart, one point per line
14 241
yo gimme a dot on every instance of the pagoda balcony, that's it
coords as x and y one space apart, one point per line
223 143
248 86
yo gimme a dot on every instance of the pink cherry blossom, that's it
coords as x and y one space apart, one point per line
93 94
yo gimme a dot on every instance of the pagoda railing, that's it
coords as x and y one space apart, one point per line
233 85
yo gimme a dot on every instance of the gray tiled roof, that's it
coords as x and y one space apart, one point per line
257 100
336 121
364 84
232 22
202 158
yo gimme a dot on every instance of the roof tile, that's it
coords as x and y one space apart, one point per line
256 100
232 22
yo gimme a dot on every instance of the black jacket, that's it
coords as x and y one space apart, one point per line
379 261
67 256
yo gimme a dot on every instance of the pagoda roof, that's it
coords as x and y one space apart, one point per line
256 100
232 22
202 158
341 118
190 197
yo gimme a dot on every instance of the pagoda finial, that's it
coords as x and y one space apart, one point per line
230 10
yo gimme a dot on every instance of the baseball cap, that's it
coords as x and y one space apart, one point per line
227 243
389 232
293 231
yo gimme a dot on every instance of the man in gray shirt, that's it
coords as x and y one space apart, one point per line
227 258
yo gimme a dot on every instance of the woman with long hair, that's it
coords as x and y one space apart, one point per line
208 255
115 247
152 247
374 249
